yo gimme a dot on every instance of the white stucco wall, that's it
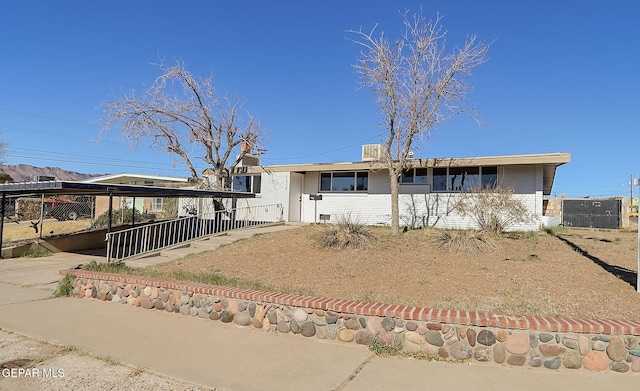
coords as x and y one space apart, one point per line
418 205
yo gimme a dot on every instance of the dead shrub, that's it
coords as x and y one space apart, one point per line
494 210
463 242
346 233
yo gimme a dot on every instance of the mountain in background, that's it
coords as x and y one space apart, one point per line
26 173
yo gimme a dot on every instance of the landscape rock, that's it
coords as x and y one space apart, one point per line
374 325
434 338
483 354
584 345
545 337
352 324
596 361
308 329
502 335
460 351
553 363
620 367
570 343
414 337
635 365
283 327
516 360
363 338
294 326
616 349
388 324
321 332
572 360
332 331
486 338
499 353
471 337
517 343
345 335
552 350
411 326
300 315
317 320
242 318
226 316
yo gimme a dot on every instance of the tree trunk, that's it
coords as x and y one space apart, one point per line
395 210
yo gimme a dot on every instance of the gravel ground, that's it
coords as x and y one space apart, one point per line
27 364
581 273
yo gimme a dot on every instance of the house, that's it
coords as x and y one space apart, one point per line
429 189
147 205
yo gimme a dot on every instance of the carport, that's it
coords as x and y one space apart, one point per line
110 190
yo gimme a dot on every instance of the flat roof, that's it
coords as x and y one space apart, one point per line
554 158
115 178
81 188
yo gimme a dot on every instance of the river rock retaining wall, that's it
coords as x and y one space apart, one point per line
544 342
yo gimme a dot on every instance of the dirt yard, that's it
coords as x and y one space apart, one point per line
24 230
581 273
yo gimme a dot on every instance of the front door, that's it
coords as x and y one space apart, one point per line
295 197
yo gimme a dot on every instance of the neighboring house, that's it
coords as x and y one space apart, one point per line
147 205
429 190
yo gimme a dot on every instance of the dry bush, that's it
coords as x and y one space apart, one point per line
494 210
463 242
346 233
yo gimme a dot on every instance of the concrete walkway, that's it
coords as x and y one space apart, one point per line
221 356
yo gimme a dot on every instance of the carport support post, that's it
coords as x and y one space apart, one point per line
110 215
41 214
234 205
2 222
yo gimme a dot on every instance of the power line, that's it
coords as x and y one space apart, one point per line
93 163
45 117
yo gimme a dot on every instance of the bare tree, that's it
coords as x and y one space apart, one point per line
183 115
418 85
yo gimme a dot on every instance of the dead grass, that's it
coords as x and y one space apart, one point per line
530 274
458 241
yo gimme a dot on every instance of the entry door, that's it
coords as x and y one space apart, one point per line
295 197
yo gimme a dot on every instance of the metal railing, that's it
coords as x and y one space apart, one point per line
153 237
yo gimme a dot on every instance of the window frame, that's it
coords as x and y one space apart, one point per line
360 181
154 203
479 182
254 185
414 175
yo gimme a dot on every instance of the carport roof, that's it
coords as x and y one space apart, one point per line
80 188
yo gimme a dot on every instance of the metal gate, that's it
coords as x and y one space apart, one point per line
592 213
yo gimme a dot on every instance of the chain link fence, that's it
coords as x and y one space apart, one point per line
38 217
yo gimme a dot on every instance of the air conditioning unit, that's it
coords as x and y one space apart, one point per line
371 152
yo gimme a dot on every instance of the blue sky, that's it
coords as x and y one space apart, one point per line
562 76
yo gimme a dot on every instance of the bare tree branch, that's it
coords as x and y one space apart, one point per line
183 115
418 85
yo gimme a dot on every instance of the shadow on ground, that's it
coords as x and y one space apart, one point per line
627 275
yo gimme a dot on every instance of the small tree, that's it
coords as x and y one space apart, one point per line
184 116
418 85
494 210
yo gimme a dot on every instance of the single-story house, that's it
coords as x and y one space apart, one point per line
154 205
429 189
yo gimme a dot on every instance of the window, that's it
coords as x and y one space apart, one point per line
157 203
439 179
344 181
489 177
464 178
247 183
415 176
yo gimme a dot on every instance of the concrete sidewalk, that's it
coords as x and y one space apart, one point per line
225 357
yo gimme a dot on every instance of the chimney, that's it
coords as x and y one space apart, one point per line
244 147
